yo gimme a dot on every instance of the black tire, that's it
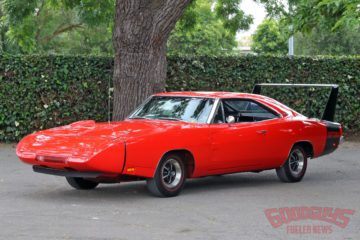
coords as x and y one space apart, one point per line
295 166
165 183
81 183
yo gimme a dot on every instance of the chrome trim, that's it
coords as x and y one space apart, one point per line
279 115
171 173
216 100
272 119
296 162
261 104
342 140
213 110
266 106
223 111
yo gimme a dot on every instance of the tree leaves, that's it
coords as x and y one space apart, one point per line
270 38
208 27
305 15
38 92
45 25
207 35
85 26
232 16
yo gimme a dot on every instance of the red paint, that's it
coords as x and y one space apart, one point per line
137 145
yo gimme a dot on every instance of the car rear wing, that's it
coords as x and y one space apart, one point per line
329 112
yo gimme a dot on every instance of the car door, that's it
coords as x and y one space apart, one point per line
243 144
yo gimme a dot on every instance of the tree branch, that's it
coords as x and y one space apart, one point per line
168 15
142 26
40 8
40 25
61 29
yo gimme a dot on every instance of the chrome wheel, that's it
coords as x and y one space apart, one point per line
171 173
296 162
293 170
169 178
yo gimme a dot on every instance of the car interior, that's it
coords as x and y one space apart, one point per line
242 110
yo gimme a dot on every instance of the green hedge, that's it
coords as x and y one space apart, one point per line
38 92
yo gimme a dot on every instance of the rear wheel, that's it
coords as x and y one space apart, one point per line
295 167
169 177
81 183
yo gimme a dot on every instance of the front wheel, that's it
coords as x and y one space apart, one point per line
169 178
81 183
295 167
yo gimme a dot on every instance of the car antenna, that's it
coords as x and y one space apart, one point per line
110 90
109 99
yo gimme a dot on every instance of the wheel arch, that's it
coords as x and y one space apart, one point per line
186 155
307 146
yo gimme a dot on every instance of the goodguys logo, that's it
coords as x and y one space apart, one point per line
289 215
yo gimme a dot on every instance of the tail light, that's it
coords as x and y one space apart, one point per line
334 135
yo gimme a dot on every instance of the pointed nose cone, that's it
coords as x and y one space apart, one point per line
82 145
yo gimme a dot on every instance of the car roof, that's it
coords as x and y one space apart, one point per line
206 94
216 95
263 99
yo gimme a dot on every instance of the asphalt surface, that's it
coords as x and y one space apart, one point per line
38 206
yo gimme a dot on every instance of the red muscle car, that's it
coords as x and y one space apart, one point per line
177 135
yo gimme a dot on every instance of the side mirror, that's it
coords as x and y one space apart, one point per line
230 119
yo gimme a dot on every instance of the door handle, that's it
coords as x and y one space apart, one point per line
262 132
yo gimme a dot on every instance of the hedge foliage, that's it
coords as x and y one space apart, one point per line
38 92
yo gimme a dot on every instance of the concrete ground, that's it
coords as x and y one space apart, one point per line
38 206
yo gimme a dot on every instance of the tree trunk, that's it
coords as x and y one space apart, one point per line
142 28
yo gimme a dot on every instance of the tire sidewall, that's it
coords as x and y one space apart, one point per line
81 183
169 192
287 165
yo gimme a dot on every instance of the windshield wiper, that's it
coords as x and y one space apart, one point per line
161 118
169 118
140 118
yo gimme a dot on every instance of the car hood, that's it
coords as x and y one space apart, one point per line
88 137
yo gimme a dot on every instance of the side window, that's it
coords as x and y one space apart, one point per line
253 107
219 115
247 110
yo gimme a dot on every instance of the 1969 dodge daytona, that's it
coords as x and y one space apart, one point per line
177 135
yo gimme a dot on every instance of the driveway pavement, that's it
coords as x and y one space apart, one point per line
37 206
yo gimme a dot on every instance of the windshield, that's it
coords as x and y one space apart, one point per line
188 109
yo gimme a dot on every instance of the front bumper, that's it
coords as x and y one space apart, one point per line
342 140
